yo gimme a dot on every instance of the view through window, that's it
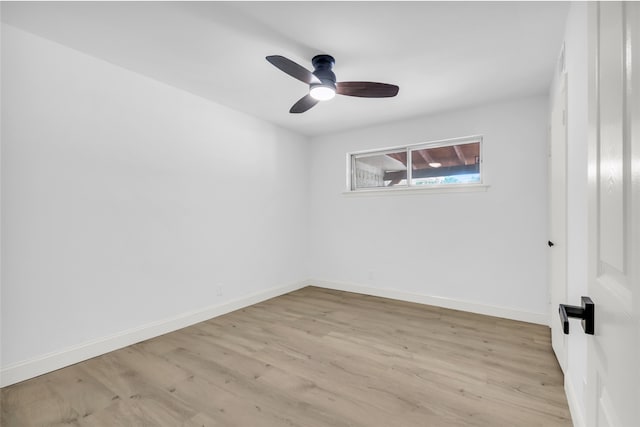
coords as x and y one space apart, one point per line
440 163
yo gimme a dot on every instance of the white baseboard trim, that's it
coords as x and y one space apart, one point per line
577 416
31 368
455 304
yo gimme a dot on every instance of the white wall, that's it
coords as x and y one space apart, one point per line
575 41
126 201
487 249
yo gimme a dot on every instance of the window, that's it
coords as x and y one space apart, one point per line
449 163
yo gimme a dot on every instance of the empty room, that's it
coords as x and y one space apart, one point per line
320 214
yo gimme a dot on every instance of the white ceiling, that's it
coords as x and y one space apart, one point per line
443 55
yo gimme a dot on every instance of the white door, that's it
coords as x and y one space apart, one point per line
613 358
558 217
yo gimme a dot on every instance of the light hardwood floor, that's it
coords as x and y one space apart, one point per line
312 358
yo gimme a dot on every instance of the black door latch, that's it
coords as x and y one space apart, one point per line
586 313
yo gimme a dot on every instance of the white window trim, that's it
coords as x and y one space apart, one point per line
422 190
426 189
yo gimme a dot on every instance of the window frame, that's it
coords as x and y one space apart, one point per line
408 148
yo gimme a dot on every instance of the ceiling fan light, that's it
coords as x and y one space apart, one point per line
322 93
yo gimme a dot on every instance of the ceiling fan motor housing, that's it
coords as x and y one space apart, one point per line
322 65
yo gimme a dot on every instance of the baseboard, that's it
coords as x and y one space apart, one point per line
50 362
577 417
455 304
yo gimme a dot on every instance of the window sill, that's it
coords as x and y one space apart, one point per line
433 189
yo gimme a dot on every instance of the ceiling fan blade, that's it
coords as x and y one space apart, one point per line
367 89
303 104
294 70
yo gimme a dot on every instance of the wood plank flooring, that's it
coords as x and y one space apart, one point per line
312 358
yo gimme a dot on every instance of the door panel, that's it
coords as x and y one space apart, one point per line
611 139
558 217
613 395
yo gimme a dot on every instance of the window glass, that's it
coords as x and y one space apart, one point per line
438 163
451 164
380 169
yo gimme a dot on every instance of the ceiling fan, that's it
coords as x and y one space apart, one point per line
322 82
